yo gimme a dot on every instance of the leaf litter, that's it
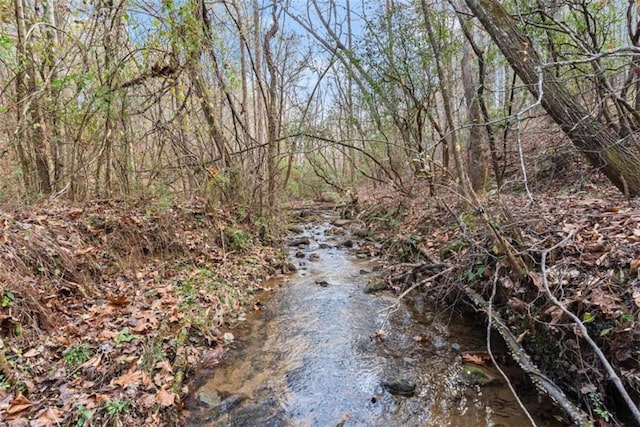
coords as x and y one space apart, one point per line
596 274
106 309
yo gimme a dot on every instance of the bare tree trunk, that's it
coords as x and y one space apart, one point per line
477 163
351 161
198 81
272 109
618 158
53 110
33 102
22 134
446 100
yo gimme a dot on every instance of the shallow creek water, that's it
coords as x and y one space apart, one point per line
309 357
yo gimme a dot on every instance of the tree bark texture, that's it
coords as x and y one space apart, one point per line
618 158
477 163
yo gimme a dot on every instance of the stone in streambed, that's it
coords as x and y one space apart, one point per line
400 386
347 243
474 374
314 257
299 254
374 285
289 267
294 228
304 241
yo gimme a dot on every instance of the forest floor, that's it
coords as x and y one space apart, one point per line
589 235
107 308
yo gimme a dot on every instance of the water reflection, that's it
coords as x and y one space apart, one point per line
310 358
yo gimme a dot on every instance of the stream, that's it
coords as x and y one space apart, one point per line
311 357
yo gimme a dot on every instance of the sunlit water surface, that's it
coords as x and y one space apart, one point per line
310 358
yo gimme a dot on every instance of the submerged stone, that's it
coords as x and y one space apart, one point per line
475 374
400 386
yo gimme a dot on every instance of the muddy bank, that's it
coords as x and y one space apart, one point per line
321 351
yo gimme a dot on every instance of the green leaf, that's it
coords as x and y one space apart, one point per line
587 317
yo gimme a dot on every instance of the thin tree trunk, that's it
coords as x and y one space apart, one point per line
272 110
33 101
446 100
477 161
22 134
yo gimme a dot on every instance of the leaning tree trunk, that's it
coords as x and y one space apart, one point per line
618 158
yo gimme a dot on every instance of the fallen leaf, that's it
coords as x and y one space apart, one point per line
536 278
118 300
128 378
588 388
165 398
164 366
75 212
52 416
518 305
85 251
476 358
19 404
606 301
556 315
633 267
32 353
175 316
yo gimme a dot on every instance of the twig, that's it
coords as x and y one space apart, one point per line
493 360
541 381
585 334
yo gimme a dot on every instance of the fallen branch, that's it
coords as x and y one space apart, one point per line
585 334
542 382
493 359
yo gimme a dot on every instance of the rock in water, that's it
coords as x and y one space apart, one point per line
375 285
300 241
474 374
400 386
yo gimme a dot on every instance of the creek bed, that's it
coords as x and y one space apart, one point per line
311 357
